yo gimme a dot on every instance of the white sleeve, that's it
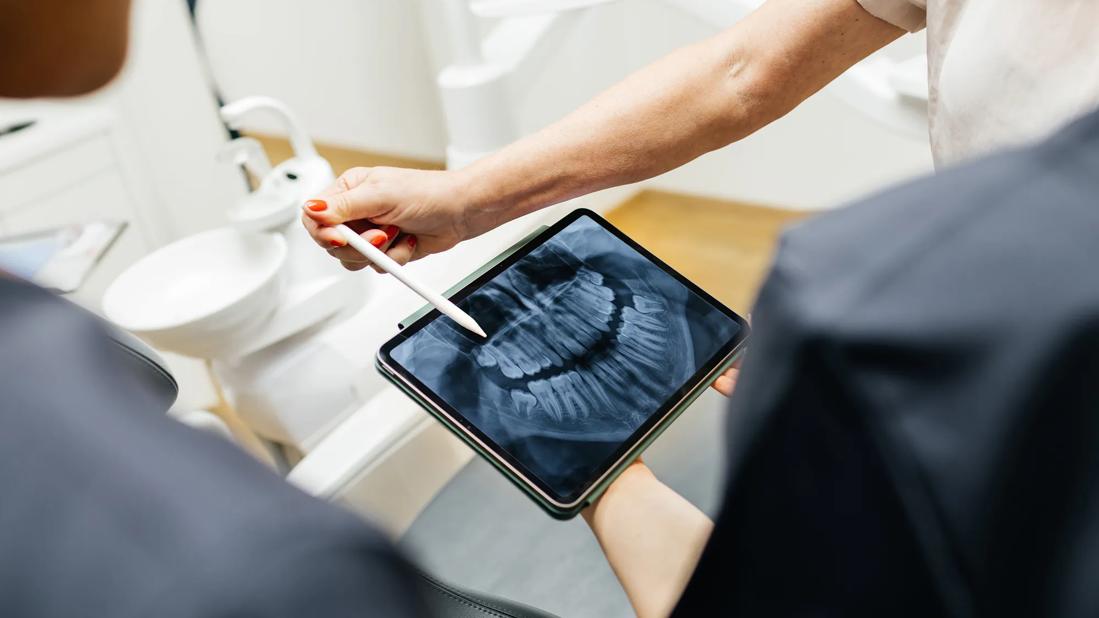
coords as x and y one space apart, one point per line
908 14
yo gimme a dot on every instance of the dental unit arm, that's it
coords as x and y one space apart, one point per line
475 87
233 113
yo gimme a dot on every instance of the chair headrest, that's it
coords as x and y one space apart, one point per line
147 364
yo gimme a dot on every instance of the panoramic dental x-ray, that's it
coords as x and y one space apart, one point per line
587 340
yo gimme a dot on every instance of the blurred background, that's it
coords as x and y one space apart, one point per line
417 83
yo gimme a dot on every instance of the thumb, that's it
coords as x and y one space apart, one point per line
350 199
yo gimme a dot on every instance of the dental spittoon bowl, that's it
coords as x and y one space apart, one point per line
203 295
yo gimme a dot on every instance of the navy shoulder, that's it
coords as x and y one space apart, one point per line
1022 217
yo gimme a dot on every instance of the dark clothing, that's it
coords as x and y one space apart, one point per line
107 508
916 428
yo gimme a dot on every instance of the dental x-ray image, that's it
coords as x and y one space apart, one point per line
587 339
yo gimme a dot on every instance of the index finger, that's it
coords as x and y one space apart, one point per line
322 234
346 181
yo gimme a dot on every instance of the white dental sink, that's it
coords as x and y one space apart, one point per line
198 295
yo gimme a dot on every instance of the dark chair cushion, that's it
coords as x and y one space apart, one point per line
451 602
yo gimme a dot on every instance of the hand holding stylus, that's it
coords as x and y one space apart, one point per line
386 217
430 209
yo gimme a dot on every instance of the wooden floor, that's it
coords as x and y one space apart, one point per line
725 247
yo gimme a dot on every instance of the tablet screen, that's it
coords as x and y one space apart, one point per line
589 341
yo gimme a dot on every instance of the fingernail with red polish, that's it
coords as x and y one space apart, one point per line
378 241
336 244
391 231
316 205
411 242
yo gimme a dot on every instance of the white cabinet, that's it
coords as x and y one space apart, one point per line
73 165
108 192
66 169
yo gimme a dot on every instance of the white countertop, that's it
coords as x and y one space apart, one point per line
57 125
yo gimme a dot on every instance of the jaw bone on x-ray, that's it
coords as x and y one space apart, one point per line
587 339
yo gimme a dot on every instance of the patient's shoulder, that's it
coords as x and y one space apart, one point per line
955 321
1009 228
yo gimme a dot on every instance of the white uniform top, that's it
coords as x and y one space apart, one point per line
1001 72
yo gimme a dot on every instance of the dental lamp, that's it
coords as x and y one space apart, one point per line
474 87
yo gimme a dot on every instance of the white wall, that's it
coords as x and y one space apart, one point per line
356 71
171 117
360 72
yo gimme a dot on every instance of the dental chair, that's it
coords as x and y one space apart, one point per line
441 599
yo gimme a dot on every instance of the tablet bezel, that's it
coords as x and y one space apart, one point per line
656 418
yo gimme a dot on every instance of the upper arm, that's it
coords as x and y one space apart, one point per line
788 49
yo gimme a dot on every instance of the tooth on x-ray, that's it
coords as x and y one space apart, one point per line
588 339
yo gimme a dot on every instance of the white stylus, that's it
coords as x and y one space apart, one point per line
387 264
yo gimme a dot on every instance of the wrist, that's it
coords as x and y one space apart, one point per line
630 484
479 199
506 185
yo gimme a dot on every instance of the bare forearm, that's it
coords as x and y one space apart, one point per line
652 538
653 121
695 100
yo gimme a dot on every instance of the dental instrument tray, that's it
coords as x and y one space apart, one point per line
594 347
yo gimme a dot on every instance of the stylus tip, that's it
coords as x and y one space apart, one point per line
475 327
467 322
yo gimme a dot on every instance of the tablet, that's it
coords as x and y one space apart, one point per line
594 345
